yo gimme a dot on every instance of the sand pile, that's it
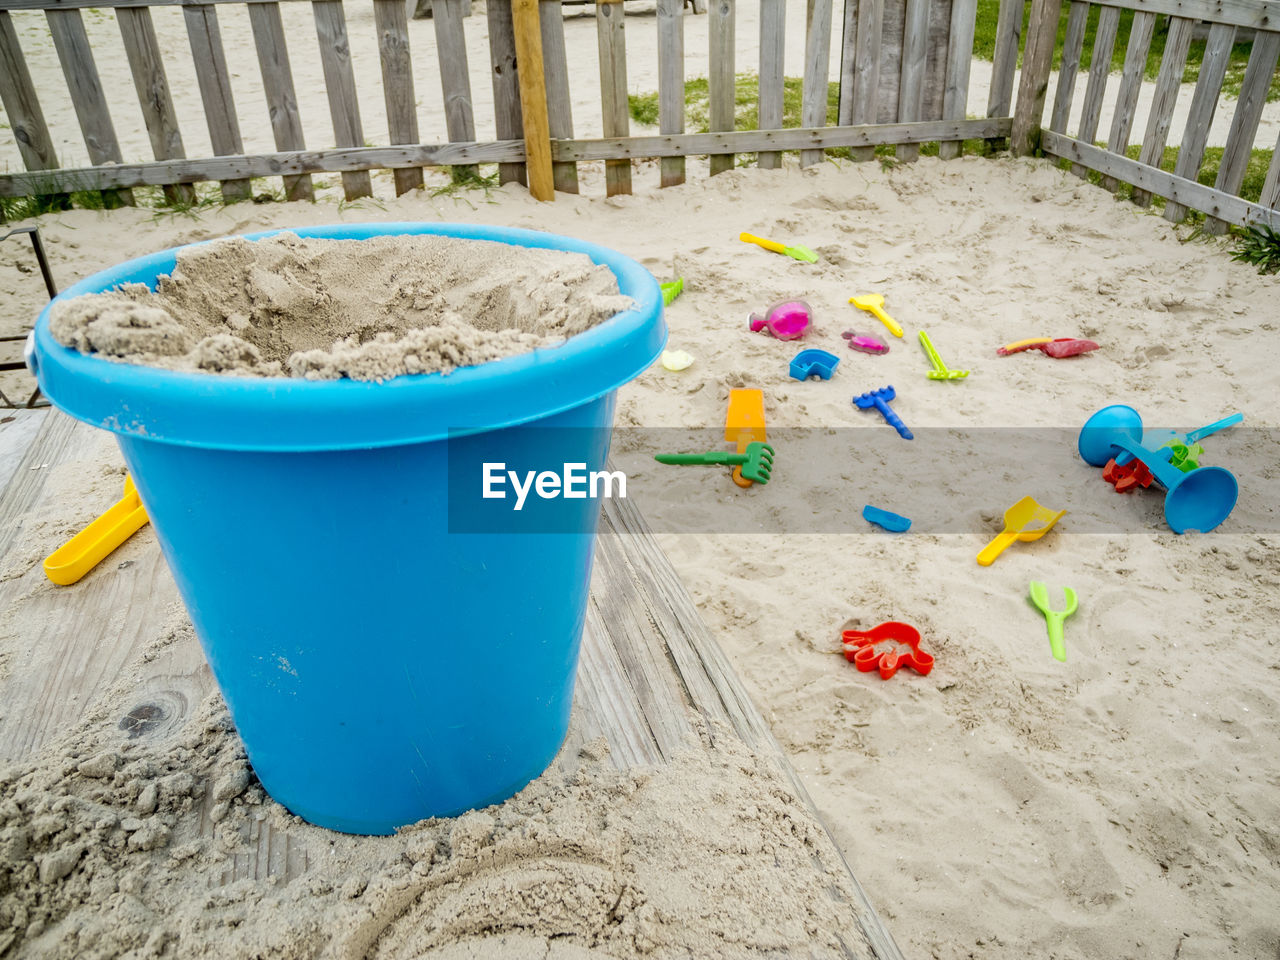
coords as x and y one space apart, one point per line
326 309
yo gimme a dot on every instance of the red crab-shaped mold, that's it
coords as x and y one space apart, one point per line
1132 474
860 648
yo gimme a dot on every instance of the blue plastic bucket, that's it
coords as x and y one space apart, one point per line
379 667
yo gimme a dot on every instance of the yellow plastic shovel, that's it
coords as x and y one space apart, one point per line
872 303
90 546
1026 520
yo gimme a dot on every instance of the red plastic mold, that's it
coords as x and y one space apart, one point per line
860 648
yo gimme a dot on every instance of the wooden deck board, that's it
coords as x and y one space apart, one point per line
650 673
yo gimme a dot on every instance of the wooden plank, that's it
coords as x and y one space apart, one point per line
141 47
937 40
892 28
955 96
1042 33
1253 14
848 59
340 83
1185 192
1072 48
612 42
671 82
911 80
117 4
1005 59
720 32
214 81
1244 123
1271 185
1135 63
817 54
277 84
455 80
1204 101
773 24
533 99
21 105
555 63
866 73
81 73
1104 40
503 151
392 23
1169 81
506 84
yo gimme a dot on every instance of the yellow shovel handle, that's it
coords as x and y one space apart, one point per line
996 547
90 546
761 241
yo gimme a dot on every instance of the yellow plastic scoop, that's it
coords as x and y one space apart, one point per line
1026 520
744 424
872 303
90 546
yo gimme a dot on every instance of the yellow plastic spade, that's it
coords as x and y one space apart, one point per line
872 302
744 424
90 546
798 252
1026 520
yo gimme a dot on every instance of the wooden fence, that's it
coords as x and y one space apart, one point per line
904 75
1180 187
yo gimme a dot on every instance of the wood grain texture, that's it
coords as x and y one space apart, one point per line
955 95
1244 123
1253 14
340 84
1135 63
1072 48
506 84
21 105
1204 102
616 120
533 98
214 81
1033 85
721 16
455 81
277 84
817 55
1005 61
773 25
671 83
90 103
1104 41
391 20
1168 82
143 51
866 69
915 34
555 64
1271 184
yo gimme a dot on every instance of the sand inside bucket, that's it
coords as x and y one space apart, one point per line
327 309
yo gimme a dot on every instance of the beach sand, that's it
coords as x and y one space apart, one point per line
1120 804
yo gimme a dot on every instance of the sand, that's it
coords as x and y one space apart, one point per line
1122 803
330 309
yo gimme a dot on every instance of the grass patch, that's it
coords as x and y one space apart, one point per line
1260 246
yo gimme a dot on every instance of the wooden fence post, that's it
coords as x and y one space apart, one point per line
533 98
1037 58
506 84
773 23
671 83
720 80
817 56
611 37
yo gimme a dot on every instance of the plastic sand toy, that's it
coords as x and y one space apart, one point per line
676 360
671 289
860 649
786 319
754 464
883 518
871 343
90 546
1054 618
1050 347
879 399
797 252
939 371
1026 520
744 424
813 363
872 303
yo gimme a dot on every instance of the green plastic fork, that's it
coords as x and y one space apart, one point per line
1054 618
756 461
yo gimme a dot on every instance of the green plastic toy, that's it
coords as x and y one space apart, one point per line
671 289
1054 618
756 461
939 371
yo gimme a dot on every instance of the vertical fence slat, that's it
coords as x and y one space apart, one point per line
1033 84
340 83
915 34
455 80
81 72
555 64
955 95
1204 101
1135 63
1173 61
1104 42
1244 124
1271 185
671 82
215 91
21 105
773 20
848 59
143 51
612 39
391 20
1005 58
533 98
720 33
1072 47
506 84
817 54
866 72
277 84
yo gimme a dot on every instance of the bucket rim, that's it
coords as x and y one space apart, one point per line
294 414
